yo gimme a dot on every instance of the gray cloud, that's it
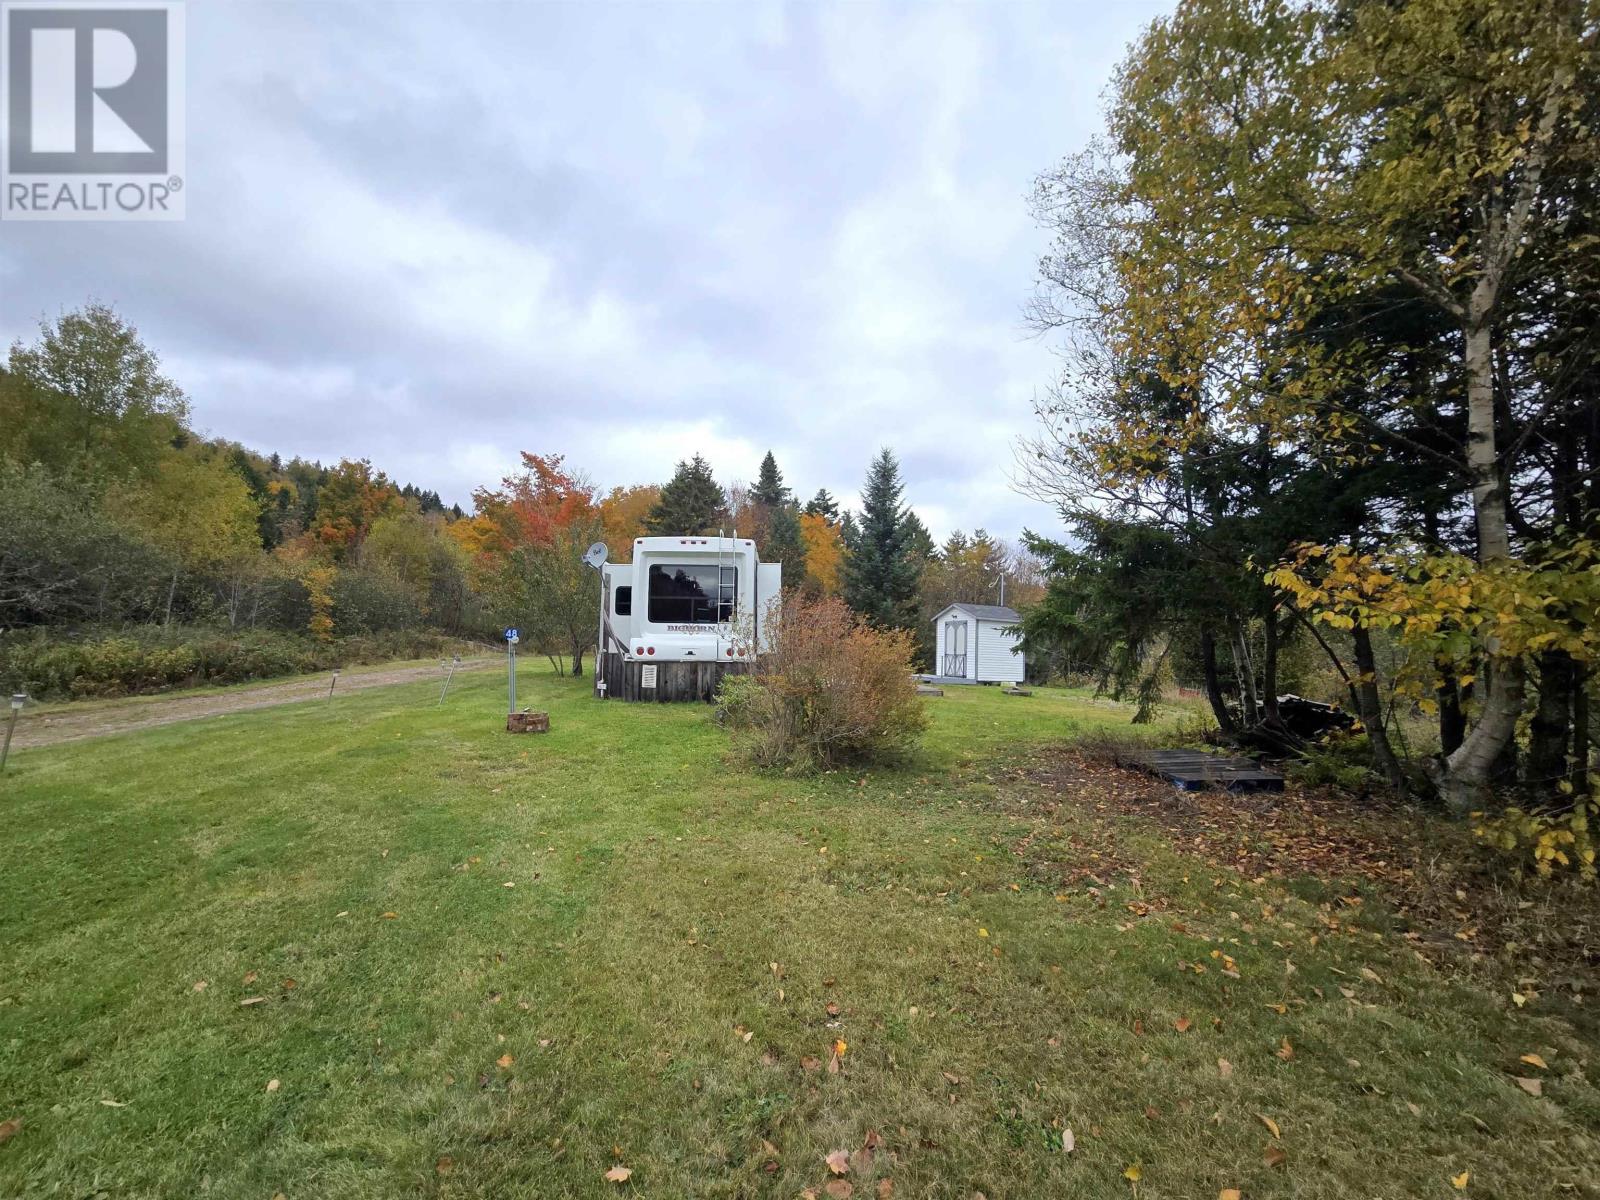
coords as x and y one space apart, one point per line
435 235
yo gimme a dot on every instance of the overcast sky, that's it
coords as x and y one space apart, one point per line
434 234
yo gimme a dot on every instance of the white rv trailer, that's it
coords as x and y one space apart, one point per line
683 613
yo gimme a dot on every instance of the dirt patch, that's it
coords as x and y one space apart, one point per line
100 719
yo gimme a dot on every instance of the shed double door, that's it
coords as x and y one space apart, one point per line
954 665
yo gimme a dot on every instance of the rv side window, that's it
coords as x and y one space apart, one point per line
692 594
624 600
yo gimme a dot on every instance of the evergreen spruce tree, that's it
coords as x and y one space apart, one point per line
769 489
919 542
823 505
784 545
691 502
884 567
848 531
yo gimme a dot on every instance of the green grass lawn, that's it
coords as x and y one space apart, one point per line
498 966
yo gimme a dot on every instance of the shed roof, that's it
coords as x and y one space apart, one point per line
986 612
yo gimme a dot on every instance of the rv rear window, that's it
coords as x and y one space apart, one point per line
692 594
624 601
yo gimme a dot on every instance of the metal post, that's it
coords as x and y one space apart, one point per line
455 661
511 669
11 727
333 683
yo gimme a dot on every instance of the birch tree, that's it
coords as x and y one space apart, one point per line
1274 161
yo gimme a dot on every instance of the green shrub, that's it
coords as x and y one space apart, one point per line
50 665
1340 760
367 602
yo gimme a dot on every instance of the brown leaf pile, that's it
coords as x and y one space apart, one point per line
1298 831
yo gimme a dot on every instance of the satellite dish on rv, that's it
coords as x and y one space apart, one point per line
595 555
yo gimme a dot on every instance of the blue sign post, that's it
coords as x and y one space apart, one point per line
511 668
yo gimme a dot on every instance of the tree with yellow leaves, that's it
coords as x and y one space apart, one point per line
824 547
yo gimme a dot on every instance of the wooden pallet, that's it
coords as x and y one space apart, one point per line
1192 770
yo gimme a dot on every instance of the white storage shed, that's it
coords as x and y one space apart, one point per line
973 644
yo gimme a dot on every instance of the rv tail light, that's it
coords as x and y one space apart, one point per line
638 649
651 650
730 651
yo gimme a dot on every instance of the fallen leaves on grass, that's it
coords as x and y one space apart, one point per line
1534 1087
1182 1024
619 1175
1228 1194
1069 1143
1459 1182
1133 1173
1533 1060
838 1162
114 1103
248 1001
9 1129
839 1189
200 985
1271 1125
444 1164
504 1062
1224 1068
272 1085
1275 1157
839 1048
1317 832
1285 1051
